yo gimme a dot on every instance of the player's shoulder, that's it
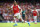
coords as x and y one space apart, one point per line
13 5
16 5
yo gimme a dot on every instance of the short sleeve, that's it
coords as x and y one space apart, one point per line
32 11
37 11
12 7
19 7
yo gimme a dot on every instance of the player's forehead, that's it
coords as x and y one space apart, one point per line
14 1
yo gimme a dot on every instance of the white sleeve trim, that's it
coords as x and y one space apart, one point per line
32 10
12 7
19 7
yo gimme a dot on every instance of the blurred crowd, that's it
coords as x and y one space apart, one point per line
7 14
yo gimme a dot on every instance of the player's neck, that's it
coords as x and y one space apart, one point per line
15 5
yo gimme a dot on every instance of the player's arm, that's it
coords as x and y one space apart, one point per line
20 10
12 8
37 13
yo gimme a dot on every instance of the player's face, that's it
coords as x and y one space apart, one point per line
15 3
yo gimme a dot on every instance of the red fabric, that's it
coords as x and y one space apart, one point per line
34 13
15 9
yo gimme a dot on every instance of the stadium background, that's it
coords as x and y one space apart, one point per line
5 4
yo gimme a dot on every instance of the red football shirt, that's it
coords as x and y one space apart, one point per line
15 9
34 13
